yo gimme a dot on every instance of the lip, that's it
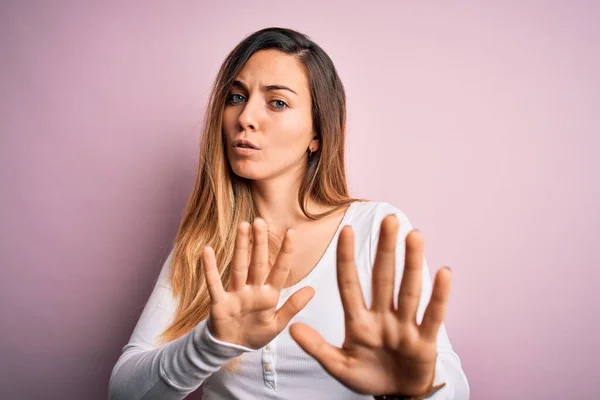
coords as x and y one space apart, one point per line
244 151
244 142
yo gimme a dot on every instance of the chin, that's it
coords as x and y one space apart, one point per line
244 170
256 170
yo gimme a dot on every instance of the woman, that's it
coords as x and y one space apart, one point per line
252 311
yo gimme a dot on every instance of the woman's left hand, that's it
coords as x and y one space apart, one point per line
385 351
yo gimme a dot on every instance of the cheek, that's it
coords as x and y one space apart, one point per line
229 122
292 130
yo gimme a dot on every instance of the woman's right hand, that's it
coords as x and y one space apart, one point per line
246 313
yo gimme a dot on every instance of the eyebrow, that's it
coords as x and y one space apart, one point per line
266 88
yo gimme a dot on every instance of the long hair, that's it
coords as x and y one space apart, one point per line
221 200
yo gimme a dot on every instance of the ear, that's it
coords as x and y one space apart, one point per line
315 143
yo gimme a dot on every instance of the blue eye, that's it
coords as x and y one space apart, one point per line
235 98
279 104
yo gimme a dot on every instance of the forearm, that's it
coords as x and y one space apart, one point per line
172 371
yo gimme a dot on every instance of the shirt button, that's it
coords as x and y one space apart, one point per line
268 348
268 367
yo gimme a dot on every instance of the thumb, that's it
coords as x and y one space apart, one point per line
293 306
330 357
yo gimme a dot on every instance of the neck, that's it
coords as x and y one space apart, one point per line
276 201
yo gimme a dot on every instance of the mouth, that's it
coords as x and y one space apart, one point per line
244 151
244 144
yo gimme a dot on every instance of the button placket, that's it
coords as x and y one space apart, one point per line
268 365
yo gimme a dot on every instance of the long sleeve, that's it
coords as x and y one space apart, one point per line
448 367
171 371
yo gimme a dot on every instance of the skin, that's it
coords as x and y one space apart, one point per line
279 122
385 350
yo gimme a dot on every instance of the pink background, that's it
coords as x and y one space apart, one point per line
478 119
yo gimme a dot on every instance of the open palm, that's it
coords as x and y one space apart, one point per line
246 313
385 350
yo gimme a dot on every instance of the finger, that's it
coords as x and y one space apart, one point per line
259 265
410 288
330 357
384 266
293 306
239 263
281 270
347 277
436 309
211 275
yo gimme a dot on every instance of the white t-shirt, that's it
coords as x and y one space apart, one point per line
280 370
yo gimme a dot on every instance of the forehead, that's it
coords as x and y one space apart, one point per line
273 67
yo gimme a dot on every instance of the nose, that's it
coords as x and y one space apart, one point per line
250 115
